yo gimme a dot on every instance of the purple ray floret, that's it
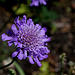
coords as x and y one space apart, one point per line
29 39
36 2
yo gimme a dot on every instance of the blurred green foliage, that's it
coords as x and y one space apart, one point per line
45 66
2 1
23 9
46 15
45 69
53 28
12 72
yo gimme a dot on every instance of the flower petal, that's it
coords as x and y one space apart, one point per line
37 27
44 49
43 31
35 3
16 43
19 45
17 21
15 54
37 61
25 54
10 43
23 20
14 29
31 60
46 39
20 55
43 2
30 22
9 32
41 57
5 37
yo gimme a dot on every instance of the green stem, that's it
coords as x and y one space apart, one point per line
62 57
61 67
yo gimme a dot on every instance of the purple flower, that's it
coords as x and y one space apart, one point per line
29 39
36 2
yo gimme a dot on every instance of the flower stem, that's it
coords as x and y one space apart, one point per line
8 64
61 68
62 57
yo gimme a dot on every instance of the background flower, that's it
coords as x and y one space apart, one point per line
36 2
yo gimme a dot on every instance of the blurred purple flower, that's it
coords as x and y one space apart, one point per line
29 39
36 2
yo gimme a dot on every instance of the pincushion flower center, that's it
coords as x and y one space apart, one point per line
27 39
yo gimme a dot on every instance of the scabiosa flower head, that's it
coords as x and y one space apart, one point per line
36 2
29 39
